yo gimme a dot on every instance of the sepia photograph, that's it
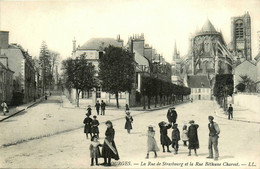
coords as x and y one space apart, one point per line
130 84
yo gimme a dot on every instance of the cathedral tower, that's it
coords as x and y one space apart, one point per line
241 36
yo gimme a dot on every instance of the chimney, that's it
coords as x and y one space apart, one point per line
4 39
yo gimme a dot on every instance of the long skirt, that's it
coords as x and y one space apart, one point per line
165 140
152 145
108 153
128 125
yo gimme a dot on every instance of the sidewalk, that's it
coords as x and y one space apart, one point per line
67 104
240 114
15 110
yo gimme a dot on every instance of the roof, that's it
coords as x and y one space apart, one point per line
4 67
100 43
196 81
208 27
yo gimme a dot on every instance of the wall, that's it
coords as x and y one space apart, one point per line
249 101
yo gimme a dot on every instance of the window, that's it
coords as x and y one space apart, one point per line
199 91
239 30
98 92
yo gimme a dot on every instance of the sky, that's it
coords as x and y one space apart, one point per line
162 22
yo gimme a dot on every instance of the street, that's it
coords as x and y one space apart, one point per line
50 136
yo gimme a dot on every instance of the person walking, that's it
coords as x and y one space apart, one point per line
165 140
88 122
126 108
103 107
94 150
95 124
128 123
151 142
193 137
213 138
172 115
89 110
5 108
109 150
184 135
97 107
230 112
175 138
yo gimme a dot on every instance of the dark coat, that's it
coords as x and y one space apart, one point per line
165 140
193 136
89 111
88 122
172 116
97 106
95 124
176 134
230 110
103 106
106 151
128 123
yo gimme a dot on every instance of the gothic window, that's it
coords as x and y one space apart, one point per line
239 29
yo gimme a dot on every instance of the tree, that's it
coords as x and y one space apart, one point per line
223 87
241 87
116 70
79 74
248 82
44 59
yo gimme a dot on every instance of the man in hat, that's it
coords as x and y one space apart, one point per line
94 125
172 115
213 138
230 112
97 107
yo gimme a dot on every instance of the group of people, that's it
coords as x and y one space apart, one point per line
109 150
189 134
101 105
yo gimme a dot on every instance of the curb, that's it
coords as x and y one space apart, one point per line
21 110
245 121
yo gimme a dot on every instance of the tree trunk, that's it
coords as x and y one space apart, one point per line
156 99
144 101
117 103
77 97
149 101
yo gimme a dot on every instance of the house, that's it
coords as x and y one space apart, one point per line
6 83
200 87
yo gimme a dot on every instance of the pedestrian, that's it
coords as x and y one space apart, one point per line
191 100
5 108
103 107
46 96
94 150
89 110
109 150
88 122
151 142
126 108
97 107
172 115
165 140
213 138
175 138
184 135
193 137
95 124
230 112
128 123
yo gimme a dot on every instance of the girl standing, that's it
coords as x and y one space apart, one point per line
184 135
94 150
89 110
128 123
165 140
109 147
88 122
151 142
193 137
175 138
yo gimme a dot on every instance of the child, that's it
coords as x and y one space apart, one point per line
89 110
88 122
184 135
193 137
94 150
95 124
165 140
151 142
175 138
128 123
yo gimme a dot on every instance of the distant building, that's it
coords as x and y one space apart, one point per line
257 58
6 83
200 87
258 40
176 67
22 64
240 44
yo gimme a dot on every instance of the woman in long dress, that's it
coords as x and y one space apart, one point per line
128 123
109 150
151 142
193 137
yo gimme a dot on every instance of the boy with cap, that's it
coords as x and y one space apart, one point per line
213 138
95 124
